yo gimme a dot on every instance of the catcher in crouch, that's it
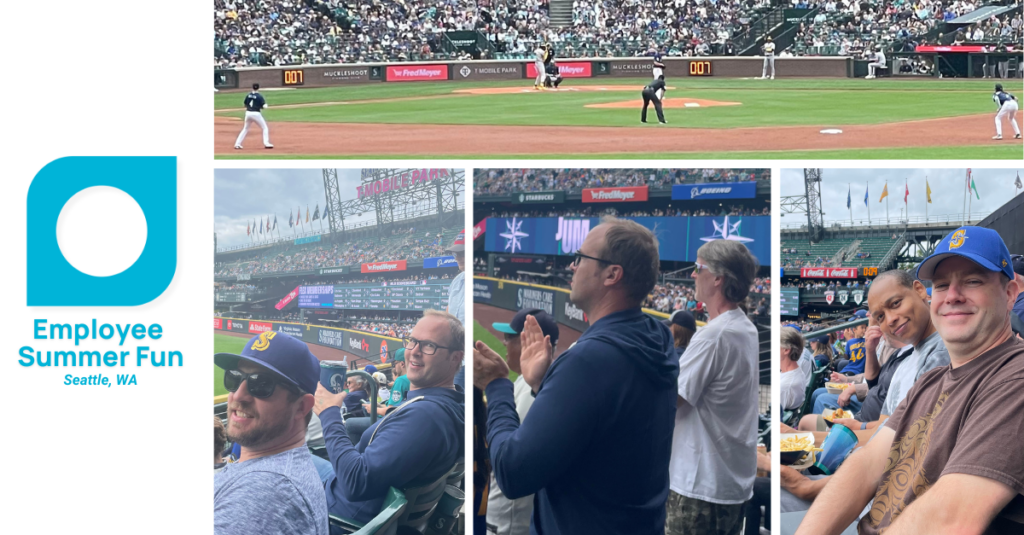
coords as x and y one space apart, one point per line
554 77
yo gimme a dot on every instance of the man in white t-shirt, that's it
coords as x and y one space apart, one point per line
711 473
793 387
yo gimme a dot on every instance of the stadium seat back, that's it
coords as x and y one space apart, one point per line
812 385
385 523
455 476
422 501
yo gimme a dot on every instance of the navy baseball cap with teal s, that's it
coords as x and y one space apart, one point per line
978 244
284 355
546 322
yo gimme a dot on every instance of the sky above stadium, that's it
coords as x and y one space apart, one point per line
995 187
242 195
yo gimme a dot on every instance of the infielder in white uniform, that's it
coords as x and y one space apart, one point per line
254 103
1007 108
769 58
879 61
538 64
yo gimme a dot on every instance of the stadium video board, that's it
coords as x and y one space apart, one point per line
789 301
678 237
397 295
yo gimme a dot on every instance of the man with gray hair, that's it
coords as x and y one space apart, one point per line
794 384
612 393
713 448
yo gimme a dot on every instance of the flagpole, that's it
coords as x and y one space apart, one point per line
970 200
906 198
886 204
868 204
967 184
849 201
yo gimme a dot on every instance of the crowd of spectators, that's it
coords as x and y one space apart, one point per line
394 330
506 181
849 28
410 244
822 286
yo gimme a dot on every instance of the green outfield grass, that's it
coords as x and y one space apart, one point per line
223 343
764 103
998 151
482 334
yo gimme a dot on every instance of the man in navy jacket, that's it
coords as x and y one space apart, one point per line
595 451
417 443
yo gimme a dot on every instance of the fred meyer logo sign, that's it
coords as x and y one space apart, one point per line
540 197
727 190
417 73
567 70
630 194
383 267
828 273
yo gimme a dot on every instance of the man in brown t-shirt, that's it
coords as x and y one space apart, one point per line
950 459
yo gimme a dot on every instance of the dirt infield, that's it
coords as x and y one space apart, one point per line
667 104
423 139
486 315
320 352
528 89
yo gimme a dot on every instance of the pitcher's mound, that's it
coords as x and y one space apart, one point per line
667 103
530 89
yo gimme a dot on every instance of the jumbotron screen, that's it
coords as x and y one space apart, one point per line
401 295
789 302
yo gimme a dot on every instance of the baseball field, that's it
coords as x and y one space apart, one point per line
224 343
600 118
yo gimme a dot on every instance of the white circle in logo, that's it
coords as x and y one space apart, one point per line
101 231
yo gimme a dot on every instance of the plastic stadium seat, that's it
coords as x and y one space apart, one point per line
385 523
422 501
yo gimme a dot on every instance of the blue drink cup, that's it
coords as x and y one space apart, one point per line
837 446
332 375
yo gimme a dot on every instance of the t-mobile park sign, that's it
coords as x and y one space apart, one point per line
381 267
828 273
397 182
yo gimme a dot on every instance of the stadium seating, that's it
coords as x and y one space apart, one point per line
503 182
385 523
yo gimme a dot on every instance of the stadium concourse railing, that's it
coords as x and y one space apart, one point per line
515 296
296 76
372 348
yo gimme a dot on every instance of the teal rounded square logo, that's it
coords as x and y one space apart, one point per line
151 181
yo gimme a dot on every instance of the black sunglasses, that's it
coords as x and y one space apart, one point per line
261 384
580 256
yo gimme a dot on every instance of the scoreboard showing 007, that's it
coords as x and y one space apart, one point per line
700 68
293 77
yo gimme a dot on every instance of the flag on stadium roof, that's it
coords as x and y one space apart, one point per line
885 192
906 194
275 220
307 213
865 194
848 193
928 190
975 188
316 213
268 222
327 210
1017 184
247 228
261 225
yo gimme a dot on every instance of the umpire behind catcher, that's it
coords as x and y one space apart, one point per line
595 449
650 94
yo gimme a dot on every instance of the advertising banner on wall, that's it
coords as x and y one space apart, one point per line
383 267
828 273
719 190
417 73
483 290
257 327
538 197
287 298
679 237
440 262
531 263
626 194
575 69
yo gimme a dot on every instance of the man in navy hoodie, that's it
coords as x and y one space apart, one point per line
414 445
595 451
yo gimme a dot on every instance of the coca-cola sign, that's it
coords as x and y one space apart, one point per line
828 273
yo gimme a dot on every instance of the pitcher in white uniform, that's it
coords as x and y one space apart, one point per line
658 70
1007 108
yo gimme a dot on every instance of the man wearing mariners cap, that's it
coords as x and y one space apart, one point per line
949 459
512 517
273 488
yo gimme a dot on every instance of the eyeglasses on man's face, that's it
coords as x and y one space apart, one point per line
428 348
580 256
